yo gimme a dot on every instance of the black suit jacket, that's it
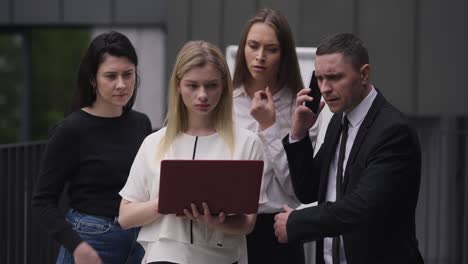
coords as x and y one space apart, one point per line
376 212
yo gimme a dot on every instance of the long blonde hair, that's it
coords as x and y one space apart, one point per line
197 54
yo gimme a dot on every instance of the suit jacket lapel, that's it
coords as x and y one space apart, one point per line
361 135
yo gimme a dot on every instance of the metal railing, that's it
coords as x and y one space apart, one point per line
22 239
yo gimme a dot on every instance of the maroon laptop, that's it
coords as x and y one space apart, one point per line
229 186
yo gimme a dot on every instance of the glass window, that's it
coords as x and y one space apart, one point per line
11 70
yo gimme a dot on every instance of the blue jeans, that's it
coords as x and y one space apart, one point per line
113 244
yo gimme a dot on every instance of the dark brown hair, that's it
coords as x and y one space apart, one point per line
114 44
288 71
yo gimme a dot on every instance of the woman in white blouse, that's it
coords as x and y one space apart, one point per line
266 81
199 126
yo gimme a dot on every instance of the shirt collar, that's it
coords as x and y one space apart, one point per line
240 91
358 114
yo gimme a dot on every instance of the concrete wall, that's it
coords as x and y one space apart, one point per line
82 12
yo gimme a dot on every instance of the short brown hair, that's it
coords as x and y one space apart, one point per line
347 44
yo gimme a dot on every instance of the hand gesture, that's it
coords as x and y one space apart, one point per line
85 254
303 118
281 219
263 112
205 218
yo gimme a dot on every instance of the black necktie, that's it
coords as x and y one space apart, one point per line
339 181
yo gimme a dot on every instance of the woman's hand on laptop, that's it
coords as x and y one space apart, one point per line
205 218
239 224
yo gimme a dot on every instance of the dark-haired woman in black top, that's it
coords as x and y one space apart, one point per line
92 150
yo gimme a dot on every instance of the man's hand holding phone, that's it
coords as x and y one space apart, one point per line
308 106
315 94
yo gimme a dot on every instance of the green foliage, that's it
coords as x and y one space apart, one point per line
10 79
56 55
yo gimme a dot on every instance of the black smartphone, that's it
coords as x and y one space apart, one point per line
315 93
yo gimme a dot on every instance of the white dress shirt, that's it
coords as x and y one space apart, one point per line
355 118
277 180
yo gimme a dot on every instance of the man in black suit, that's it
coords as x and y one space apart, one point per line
368 214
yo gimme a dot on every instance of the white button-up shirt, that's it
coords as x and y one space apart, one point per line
277 180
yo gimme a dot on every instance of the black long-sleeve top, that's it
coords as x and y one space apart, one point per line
94 155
